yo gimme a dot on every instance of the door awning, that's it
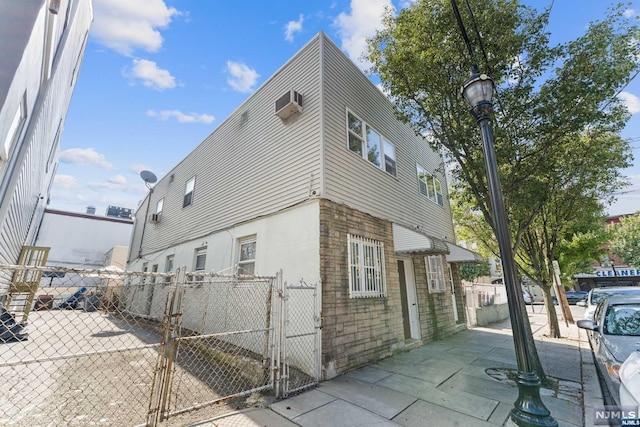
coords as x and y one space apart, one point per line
406 241
460 255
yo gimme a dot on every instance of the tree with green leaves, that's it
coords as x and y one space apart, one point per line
580 248
553 102
625 240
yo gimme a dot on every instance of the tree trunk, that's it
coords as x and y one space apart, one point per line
552 318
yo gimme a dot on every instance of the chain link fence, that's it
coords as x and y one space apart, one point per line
104 347
79 358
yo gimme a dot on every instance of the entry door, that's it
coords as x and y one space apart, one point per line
410 312
453 296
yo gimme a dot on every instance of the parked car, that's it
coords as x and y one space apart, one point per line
615 336
630 381
596 294
528 298
573 297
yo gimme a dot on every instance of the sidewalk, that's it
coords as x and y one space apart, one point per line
458 381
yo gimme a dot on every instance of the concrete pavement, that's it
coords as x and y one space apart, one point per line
462 380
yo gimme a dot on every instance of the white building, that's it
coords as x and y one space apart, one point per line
42 44
80 240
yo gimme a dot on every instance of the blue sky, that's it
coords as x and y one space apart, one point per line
159 76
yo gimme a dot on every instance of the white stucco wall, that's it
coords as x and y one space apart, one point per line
81 240
289 240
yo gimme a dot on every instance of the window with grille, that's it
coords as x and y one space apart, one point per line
435 273
366 268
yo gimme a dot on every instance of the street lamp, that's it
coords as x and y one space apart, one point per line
528 410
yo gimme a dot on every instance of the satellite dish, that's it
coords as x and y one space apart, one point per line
148 177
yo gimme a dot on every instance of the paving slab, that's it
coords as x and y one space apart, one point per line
435 372
470 404
374 398
563 410
342 414
421 414
488 387
500 414
255 417
369 374
302 403
404 384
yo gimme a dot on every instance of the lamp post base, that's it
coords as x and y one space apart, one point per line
529 410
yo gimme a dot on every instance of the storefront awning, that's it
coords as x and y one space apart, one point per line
459 255
406 241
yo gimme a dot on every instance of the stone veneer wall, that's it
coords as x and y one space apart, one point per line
436 308
355 331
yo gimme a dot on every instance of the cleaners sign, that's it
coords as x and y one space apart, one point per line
618 272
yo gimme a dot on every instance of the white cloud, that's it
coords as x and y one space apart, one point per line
354 28
630 13
150 74
118 180
85 157
631 101
66 182
127 25
180 116
293 27
241 77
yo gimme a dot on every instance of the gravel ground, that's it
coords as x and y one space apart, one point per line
90 369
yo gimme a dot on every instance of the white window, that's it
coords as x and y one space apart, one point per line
188 192
366 267
247 256
200 259
168 267
367 143
159 206
14 130
435 273
154 269
199 262
429 186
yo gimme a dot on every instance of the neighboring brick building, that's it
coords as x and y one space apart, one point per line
331 188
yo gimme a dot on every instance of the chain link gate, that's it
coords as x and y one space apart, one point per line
218 343
106 347
298 335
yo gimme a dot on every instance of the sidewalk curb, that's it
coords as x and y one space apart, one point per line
591 393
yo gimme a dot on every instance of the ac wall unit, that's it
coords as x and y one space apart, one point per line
154 217
289 104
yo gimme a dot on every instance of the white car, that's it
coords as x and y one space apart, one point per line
596 294
630 381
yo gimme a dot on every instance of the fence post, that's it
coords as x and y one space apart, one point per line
276 367
173 319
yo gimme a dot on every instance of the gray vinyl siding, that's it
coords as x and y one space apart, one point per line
28 181
354 181
243 171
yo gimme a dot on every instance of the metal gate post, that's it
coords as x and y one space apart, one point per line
278 335
159 401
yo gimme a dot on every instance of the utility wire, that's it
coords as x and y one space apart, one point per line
474 65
